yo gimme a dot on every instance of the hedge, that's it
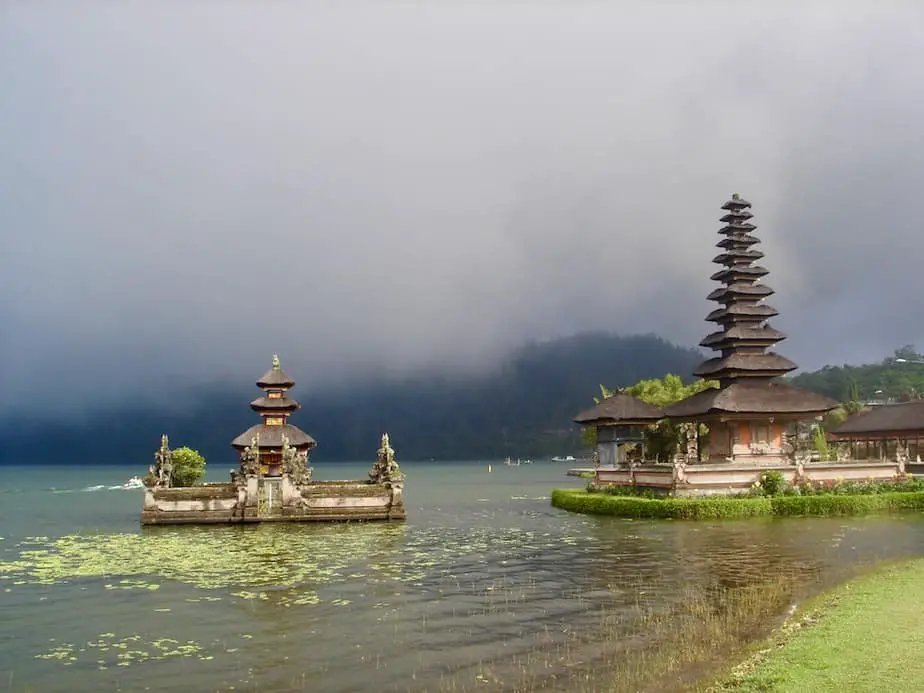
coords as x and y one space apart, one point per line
726 508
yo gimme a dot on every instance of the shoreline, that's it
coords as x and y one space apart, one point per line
863 635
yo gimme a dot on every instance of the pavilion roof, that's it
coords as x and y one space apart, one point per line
759 397
275 377
620 409
743 362
884 418
280 404
271 437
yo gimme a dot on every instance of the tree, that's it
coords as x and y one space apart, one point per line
188 467
667 390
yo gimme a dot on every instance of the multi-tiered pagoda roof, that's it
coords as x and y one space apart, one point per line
275 406
747 370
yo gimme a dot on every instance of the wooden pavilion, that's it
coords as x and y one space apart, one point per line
620 421
885 432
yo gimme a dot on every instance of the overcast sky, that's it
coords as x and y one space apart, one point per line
188 187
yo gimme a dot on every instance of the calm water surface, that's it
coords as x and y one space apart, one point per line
483 581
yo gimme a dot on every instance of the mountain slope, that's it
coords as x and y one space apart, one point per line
523 407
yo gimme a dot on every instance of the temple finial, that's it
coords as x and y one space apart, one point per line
275 362
736 196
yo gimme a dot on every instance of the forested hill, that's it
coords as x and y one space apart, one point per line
522 408
898 377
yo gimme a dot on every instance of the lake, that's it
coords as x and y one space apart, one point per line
485 587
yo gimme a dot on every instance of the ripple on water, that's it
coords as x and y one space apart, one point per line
339 604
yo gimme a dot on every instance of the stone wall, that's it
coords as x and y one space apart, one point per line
730 478
274 500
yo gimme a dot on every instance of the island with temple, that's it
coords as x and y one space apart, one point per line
274 480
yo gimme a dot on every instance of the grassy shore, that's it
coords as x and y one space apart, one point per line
864 636
719 508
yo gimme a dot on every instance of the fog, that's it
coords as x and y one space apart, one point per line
187 188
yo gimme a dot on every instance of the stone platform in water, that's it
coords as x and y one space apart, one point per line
274 500
292 496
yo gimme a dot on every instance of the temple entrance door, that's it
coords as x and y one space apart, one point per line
270 498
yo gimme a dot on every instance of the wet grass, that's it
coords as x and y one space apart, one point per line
649 648
863 636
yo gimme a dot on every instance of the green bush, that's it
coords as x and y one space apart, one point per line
188 467
773 482
735 507
659 508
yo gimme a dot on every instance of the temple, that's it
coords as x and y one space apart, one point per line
275 407
274 482
752 410
753 416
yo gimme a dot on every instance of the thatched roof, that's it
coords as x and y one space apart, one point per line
275 377
742 310
742 333
738 240
280 404
743 290
737 206
620 409
737 227
737 272
761 397
271 437
885 418
734 256
745 362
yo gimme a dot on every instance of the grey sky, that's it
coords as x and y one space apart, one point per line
187 187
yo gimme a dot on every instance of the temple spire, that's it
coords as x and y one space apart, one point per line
745 335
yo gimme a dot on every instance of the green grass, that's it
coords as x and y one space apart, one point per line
864 636
726 508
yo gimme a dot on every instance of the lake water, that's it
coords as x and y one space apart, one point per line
483 588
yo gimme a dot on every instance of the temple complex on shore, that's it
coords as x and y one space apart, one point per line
750 417
751 411
274 481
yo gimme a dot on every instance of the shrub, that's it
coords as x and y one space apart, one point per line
188 467
734 507
773 483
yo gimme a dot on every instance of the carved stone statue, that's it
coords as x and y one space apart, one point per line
385 470
160 474
692 443
295 464
250 458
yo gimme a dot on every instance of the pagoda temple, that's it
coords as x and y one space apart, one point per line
274 482
751 411
275 407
